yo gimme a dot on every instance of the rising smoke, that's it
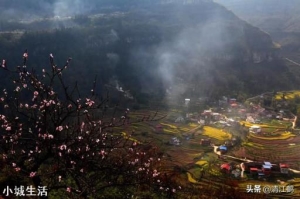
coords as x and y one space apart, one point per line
186 61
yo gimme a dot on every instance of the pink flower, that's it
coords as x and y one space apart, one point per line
8 128
69 189
35 93
155 173
89 102
63 147
59 128
17 169
82 125
32 174
14 164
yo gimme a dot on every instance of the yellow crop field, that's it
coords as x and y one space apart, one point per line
287 95
130 138
184 129
255 145
201 162
216 133
193 125
190 178
171 131
169 125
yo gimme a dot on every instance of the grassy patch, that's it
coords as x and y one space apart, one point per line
255 145
196 172
215 172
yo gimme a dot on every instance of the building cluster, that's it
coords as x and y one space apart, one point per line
255 169
264 169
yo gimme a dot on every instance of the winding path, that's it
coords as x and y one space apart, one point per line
293 62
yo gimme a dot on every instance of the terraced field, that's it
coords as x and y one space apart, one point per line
283 148
282 126
278 146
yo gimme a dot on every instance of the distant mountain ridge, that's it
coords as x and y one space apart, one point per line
279 18
190 48
270 15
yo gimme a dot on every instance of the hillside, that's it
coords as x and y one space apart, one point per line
184 48
270 15
279 18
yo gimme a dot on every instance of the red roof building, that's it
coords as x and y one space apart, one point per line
226 167
284 168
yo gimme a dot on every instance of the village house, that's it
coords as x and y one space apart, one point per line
250 119
159 128
232 101
255 129
205 142
230 143
222 149
174 141
226 168
179 119
266 168
216 116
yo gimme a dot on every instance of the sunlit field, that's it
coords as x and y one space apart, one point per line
288 95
